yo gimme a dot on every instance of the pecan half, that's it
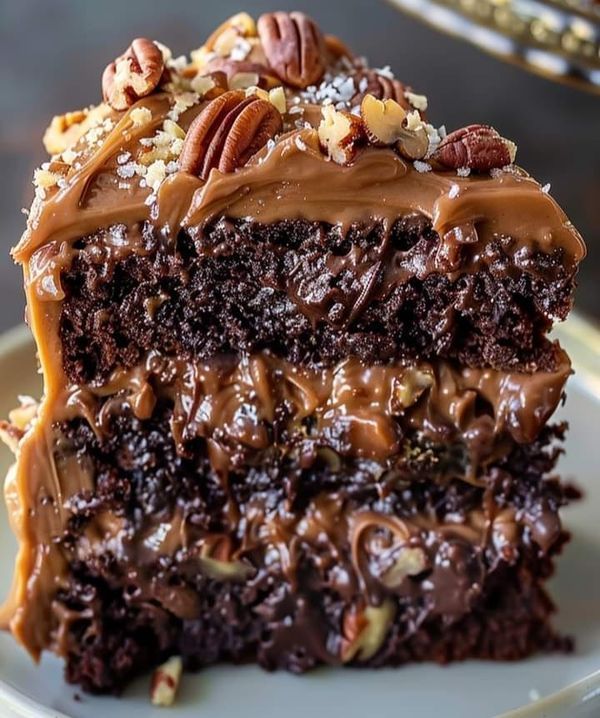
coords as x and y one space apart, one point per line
381 87
136 73
476 147
294 47
228 131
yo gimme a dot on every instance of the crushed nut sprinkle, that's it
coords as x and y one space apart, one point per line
285 62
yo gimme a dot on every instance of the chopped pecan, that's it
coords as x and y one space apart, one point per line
364 630
228 131
340 134
133 75
223 39
409 561
386 123
476 147
231 68
165 682
383 120
370 82
294 47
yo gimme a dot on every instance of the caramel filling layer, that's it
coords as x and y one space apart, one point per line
358 410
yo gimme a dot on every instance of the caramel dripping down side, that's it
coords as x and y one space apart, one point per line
293 180
288 182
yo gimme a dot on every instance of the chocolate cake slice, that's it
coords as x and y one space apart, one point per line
297 377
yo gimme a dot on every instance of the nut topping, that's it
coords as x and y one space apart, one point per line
231 68
133 75
476 147
381 87
224 38
340 135
383 120
228 132
294 47
386 123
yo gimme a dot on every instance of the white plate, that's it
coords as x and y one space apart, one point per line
469 690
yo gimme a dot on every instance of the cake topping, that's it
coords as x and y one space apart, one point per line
133 75
341 135
294 47
361 118
230 130
387 123
380 85
476 147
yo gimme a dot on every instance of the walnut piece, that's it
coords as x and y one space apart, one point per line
294 47
133 75
340 135
228 131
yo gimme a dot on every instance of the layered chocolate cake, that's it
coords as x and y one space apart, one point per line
297 374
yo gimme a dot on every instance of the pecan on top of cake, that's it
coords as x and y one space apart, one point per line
279 93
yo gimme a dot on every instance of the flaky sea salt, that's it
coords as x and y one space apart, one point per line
422 166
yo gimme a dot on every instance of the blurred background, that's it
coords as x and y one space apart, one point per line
52 54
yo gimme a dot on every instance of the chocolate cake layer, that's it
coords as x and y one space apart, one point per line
310 294
294 570
112 633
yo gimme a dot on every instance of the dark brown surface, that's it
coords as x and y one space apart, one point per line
121 618
67 46
293 288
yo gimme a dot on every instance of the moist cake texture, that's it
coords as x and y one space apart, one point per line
298 384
